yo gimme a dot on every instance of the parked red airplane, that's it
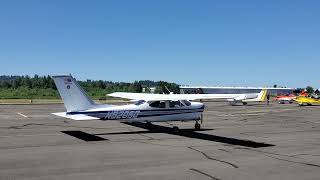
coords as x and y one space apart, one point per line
282 99
286 98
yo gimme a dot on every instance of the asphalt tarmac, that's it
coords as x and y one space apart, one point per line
236 142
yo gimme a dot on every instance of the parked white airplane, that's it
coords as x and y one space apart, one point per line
148 108
233 99
245 98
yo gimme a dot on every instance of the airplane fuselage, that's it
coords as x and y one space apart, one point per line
144 113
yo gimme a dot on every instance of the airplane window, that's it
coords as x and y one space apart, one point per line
140 102
171 103
158 104
175 104
155 104
162 104
187 103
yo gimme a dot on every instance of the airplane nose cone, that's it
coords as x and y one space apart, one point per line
198 105
201 106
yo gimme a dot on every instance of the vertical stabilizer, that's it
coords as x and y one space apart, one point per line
73 96
262 96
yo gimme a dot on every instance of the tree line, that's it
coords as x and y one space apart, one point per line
43 87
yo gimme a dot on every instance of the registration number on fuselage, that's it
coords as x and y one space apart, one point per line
122 115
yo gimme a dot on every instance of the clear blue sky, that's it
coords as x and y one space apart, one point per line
206 42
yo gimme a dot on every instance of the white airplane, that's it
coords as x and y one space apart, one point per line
245 98
233 99
148 108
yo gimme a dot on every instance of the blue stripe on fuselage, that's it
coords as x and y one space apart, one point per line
157 110
128 114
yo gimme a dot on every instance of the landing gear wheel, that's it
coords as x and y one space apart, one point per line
197 126
244 103
148 125
175 130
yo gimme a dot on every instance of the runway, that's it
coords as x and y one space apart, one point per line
237 142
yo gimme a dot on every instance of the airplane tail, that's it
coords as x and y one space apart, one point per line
262 96
73 96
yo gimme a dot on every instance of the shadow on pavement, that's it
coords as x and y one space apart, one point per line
191 133
84 136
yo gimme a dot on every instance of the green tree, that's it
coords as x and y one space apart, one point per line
101 84
136 87
44 87
310 89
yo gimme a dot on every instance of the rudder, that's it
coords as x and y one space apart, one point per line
262 95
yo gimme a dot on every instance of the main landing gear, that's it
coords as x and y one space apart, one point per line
175 130
148 125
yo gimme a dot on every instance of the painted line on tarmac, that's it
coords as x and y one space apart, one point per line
254 114
235 115
22 115
30 135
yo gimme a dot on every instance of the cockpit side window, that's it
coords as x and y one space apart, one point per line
158 104
154 104
175 104
167 104
162 104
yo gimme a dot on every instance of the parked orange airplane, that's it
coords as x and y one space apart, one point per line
286 98
282 99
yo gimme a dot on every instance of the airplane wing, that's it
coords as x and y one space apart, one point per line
173 97
77 117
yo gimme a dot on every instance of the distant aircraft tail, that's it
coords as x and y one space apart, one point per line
73 96
262 96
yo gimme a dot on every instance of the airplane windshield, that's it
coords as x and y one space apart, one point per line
187 103
139 102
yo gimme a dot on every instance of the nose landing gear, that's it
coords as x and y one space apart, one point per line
197 126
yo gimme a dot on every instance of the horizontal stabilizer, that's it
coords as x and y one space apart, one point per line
77 117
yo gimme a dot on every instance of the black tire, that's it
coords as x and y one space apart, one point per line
148 125
244 103
175 130
197 126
